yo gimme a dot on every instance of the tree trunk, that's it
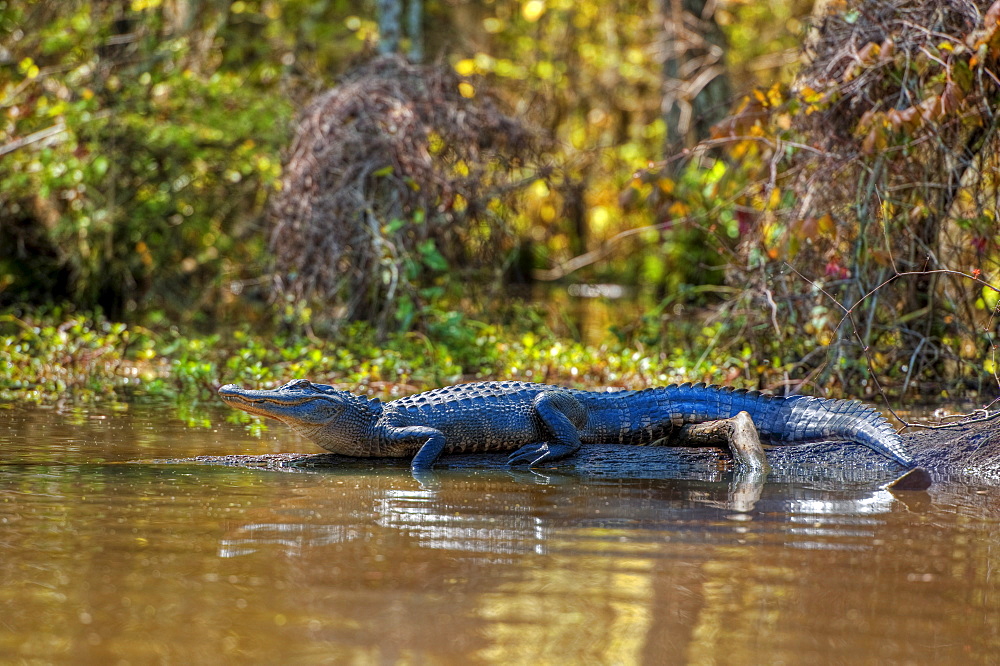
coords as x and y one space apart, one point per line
389 25
415 29
695 88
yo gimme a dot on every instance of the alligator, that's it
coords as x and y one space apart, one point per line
541 423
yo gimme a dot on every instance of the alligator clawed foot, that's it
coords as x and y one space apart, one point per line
529 454
532 454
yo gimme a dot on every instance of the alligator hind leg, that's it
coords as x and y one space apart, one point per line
562 415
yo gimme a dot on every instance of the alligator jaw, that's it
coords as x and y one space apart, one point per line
274 404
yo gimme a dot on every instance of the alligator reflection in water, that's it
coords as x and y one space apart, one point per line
649 566
528 513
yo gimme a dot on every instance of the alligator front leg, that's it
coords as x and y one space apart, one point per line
429 443
562 415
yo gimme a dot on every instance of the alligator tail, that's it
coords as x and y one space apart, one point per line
788 419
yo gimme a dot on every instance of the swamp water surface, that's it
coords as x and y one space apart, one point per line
109 555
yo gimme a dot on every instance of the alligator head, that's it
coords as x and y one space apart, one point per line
332 418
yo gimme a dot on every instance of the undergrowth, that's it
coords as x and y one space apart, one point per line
57 357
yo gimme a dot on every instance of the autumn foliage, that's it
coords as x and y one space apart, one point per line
883 156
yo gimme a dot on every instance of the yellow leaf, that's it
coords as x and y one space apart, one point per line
435 143
28 68
741 148
465 67
465 89
810 96
774 199
990 297
825 225
533 10
678 209
742 106
774 96
599 217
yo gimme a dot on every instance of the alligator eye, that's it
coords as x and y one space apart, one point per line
298 383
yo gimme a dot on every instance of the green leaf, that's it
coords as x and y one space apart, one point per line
431 257
100 165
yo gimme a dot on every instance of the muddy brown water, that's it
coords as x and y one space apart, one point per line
109 556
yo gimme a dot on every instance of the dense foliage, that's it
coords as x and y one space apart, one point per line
135 155
141 141
840 224
881 197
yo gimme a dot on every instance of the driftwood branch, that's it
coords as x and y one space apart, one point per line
738 433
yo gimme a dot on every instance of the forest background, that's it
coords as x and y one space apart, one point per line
799 196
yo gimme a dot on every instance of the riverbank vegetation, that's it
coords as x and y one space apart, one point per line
803 198
63 357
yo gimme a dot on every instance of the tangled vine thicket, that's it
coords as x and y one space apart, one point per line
887 159
397 174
